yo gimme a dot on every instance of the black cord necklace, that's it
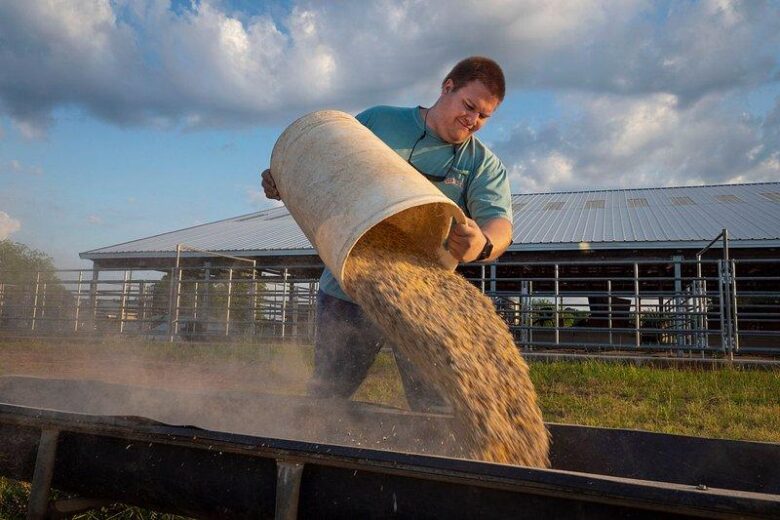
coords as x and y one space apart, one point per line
455 150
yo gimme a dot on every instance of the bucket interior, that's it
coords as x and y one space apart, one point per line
428 226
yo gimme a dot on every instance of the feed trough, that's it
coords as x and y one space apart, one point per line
293 457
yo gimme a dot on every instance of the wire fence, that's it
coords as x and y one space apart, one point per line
709 307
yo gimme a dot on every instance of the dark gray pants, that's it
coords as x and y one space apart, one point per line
345 346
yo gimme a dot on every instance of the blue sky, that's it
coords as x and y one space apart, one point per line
123 119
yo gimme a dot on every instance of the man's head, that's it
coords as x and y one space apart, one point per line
470 93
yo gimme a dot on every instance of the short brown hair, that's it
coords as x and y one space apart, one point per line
479 68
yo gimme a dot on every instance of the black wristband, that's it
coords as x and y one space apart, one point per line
487 250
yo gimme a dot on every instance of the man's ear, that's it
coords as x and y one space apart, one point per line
447 87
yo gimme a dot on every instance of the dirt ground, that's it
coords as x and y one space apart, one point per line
170 366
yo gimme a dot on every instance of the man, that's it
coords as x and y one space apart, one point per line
439 143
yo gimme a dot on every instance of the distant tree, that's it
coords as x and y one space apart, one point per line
22 271
17 261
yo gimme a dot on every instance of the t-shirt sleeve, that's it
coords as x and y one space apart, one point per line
488 193
366 117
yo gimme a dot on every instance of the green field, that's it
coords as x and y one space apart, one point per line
731 403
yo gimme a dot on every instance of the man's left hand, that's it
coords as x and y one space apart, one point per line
466 241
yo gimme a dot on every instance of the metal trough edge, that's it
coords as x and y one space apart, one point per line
599 489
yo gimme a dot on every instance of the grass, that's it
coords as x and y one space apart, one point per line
728 403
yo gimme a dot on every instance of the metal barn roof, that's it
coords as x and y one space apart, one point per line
675 217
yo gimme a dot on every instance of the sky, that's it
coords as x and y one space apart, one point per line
122 119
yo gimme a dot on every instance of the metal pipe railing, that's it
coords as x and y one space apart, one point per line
708 305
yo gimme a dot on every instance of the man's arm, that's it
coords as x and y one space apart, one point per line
466 241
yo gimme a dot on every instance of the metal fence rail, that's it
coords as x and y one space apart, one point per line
708 307
691 306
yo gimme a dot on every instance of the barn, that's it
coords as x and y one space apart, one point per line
691 268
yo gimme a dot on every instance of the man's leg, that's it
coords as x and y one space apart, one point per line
345 346
421 395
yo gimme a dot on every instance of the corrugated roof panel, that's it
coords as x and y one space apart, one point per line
701 215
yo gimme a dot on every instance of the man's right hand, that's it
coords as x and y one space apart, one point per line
269 186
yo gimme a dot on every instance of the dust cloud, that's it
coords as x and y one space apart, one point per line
238 388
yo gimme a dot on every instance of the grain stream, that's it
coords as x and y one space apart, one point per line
451 331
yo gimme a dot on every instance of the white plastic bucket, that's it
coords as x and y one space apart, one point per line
339 180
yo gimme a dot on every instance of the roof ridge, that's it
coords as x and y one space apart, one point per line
179 230
606 190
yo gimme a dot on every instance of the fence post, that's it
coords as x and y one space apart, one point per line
207 294
123 302
493 280
228 301
609 310
195 302
638 308
524 314
93 297
142 306
557 308
43 300
294 308
724 340
531 313
254 299
171 303
284 301
677 302
735 314
312 313
78 302
35 300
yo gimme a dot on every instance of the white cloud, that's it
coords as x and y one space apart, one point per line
94 220
8 225
646 141
204 65
17 167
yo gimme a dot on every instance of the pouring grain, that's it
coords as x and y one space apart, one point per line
451 331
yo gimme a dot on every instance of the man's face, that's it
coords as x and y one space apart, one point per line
464 111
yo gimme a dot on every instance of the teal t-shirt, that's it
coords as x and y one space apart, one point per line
471 175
